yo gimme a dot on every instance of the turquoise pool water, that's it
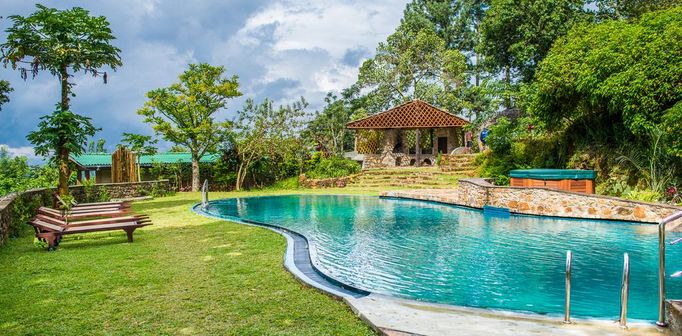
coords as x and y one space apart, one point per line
453 255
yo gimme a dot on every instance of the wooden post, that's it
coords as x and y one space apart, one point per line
418 148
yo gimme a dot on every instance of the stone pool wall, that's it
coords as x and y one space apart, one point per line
17 208
478 193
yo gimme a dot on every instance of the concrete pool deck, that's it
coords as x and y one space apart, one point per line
398 317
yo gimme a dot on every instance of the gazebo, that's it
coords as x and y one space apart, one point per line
411 134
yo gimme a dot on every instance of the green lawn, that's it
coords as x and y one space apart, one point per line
185 275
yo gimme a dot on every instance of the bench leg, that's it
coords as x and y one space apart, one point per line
129 232
52 240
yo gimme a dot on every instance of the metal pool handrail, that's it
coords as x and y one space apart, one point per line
624 292
569 262
204 195
661 266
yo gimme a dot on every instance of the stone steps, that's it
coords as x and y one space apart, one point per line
464 164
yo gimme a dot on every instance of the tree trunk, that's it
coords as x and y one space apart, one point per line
64 81
507 81
241 175
195 172
63 152
64 170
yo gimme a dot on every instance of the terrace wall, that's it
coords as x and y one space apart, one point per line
17 208
478 193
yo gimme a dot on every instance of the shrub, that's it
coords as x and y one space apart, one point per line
89 191
643 195
104 195
333 166
290 183
157 191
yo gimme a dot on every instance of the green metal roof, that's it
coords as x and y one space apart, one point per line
104 159
554 174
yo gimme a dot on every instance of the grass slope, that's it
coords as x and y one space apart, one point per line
185 275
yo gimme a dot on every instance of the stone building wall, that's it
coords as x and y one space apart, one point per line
17 208
478 193
386 157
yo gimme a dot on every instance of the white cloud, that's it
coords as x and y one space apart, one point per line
20 151
329 25
306 40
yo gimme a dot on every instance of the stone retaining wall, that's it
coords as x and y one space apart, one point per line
334 182
17 208
478 193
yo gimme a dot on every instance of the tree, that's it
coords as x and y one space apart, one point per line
66 132
327 130
17 175
141 145
413 65
96 147
630 9
516 35
458 23
183 112
262 131
627 71
177 149
61 42
101 143
615 75
5 89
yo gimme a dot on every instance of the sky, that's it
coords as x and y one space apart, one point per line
279 49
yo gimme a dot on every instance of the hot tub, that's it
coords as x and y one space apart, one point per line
576 180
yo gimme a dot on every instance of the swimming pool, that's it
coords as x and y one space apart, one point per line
453 255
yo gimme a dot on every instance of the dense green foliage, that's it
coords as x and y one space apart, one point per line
629 9
606 97
17 175
518 34
333 166
5 89
613 71
267 142
60 42
327 129
58 135
413 64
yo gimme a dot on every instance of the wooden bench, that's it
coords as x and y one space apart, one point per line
84 213
113 220
53 233
97 205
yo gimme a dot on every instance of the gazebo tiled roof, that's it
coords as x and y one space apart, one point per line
413 114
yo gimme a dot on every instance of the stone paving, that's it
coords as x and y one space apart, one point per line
398 317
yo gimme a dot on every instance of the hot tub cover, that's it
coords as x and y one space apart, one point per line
554 174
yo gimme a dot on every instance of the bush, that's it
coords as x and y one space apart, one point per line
290 183
333 166
104 195
89 194
643 195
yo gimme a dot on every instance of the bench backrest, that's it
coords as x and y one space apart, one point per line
46 226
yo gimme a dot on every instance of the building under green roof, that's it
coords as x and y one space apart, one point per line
100 160
98 165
